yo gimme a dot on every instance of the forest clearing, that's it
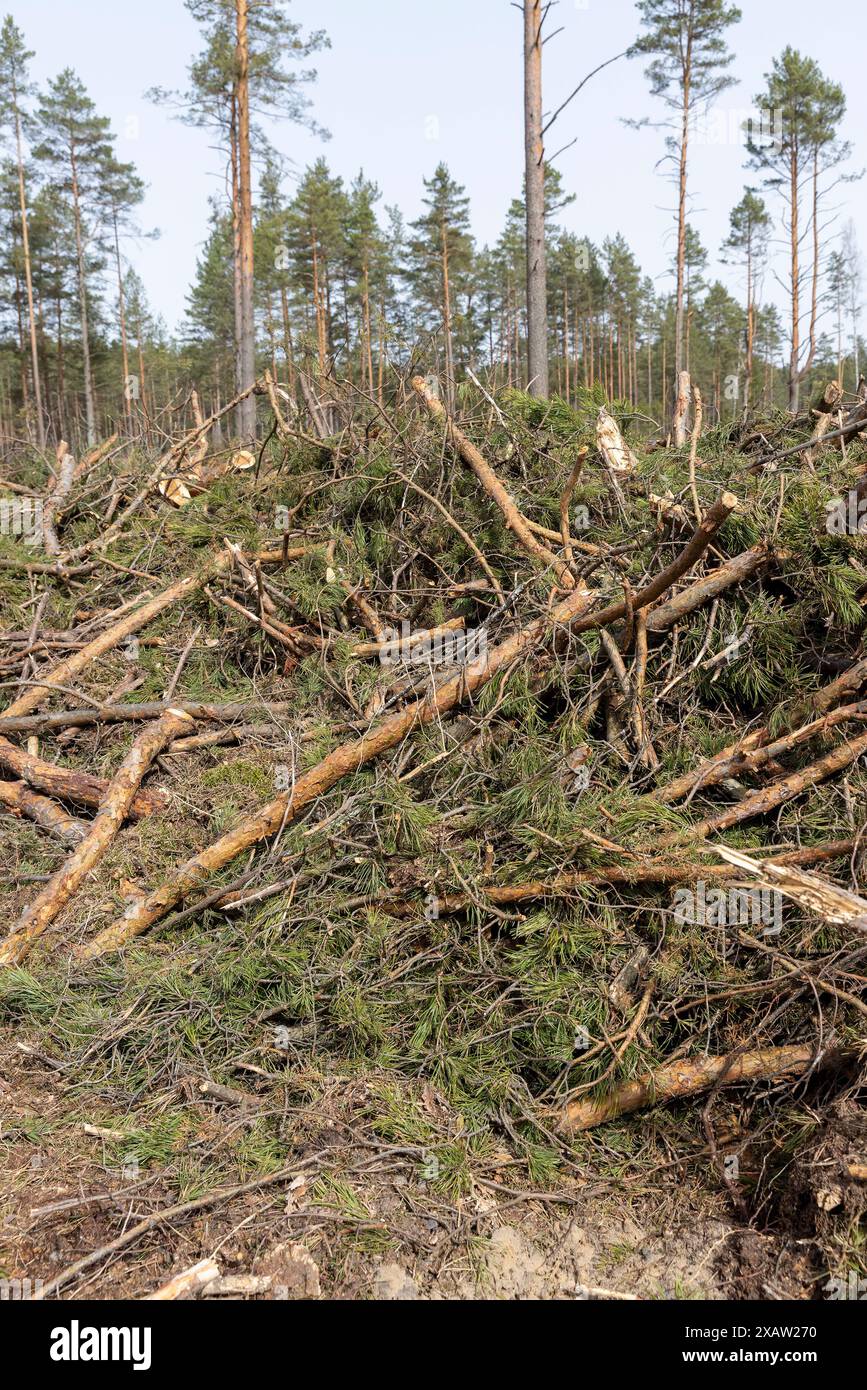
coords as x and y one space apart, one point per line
433 738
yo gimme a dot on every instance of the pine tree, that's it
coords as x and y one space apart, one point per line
534 186
747 244
802 143
685 40
75 150
367 260
316 241
15 90
440 260
241 69
122 191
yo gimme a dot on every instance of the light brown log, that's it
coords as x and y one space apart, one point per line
343 760
21 801
687 1077
649 871
225 713
68 784
197 1277
475 460
39 915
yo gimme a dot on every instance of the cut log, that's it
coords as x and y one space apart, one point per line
67 784
118 799
21 801
687 1077
611 445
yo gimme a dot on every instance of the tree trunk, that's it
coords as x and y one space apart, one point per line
121 309
247 344
794 378
90 412
28 277
447 319
751 323
534 157
679 429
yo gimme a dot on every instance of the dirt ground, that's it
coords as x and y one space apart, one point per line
363 1220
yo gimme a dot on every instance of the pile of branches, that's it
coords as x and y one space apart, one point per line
554 713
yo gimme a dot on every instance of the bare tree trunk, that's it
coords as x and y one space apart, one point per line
679 430
447 320
367 362
247 344
121 309
90 412
534 157
751 323
794 379
28 277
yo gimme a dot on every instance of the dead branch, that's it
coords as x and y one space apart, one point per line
689 1076
809 891
476 461
113 811
226 713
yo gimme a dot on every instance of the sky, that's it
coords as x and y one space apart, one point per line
404 86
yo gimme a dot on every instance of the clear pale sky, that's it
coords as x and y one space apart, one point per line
405 85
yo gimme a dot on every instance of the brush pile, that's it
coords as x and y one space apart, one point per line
504 759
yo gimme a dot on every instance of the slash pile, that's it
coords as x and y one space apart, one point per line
507 759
